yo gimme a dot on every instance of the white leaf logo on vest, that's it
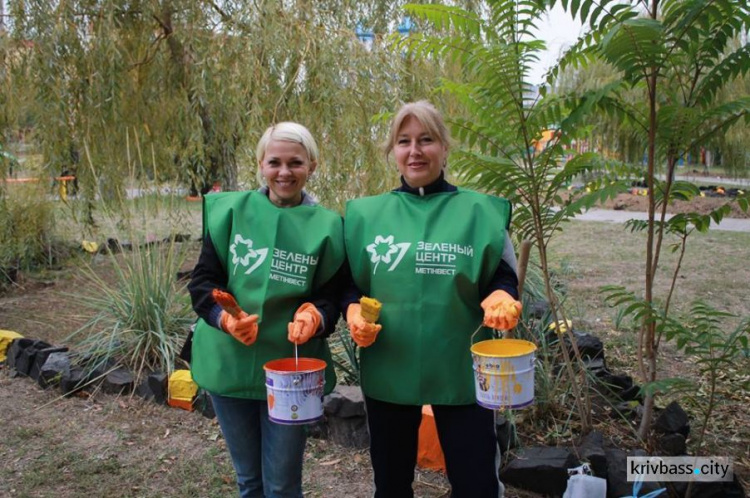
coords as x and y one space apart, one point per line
242 252
383 250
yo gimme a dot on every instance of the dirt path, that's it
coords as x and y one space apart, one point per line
126 447
615 216
639 203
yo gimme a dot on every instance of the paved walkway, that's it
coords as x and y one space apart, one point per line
609 215
712 180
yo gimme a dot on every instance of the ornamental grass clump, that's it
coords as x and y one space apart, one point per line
139 319
345 355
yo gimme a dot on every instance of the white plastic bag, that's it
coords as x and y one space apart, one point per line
583 485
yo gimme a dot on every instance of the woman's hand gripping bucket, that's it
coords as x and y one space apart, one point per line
504 368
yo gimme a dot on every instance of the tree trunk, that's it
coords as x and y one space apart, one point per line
220 158
648 328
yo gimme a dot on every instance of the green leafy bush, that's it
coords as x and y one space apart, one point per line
716 352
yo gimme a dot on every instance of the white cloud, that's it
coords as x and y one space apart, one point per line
559 31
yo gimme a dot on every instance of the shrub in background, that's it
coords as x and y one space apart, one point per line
27 223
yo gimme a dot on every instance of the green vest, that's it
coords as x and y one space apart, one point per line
428 260
276 258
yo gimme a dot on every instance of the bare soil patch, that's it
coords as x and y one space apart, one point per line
703 205
123 446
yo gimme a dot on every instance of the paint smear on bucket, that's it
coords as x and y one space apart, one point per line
504 373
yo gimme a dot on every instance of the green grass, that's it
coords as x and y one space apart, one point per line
589 255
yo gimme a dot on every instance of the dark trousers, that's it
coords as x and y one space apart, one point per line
467 437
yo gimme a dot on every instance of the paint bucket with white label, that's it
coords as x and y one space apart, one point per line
294 390
504 373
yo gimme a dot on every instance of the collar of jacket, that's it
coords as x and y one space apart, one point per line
307 199
439 185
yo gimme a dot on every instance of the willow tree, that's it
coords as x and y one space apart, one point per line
680 55
5 108
182 89
735 143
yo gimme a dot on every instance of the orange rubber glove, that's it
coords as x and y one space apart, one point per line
501 311
244 328
307 319
363 332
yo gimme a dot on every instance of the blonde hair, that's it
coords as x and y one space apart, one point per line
425 113
288 131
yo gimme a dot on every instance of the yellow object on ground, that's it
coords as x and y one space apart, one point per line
6 337
564 326
182 390
370 309
89 246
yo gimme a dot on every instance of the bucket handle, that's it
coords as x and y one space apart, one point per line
481 325
471 339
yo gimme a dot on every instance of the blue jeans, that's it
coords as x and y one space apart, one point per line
266 456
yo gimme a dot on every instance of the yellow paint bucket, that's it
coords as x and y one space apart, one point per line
504 373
